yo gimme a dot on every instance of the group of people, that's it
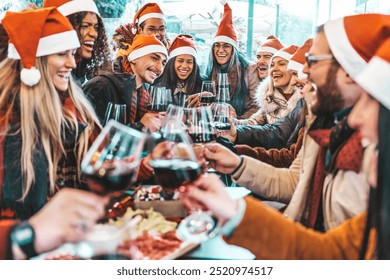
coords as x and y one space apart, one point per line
308 128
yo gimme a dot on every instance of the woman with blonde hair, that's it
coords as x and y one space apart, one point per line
45 120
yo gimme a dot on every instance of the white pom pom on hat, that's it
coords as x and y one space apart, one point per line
223 2
47 32
30 76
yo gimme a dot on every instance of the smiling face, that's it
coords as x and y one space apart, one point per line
89 30
60 66
184 65
262 63
222 52
279 74
153 26
149 67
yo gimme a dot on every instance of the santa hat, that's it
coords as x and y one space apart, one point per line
145 44
286 52
226 32
37 33
375 76
271 45
298 59
68 7
182 44
354 40
147 11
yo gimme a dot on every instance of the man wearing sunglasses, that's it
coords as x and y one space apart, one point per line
325 184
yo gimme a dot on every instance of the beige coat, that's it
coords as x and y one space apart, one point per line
252 81
344 194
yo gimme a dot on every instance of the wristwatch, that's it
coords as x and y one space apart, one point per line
23 235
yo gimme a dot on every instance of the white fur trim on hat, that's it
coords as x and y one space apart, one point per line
150 15
225 39
147 50
342 49
282 54
52 44
182 50
30 76
375 80
76 6
266 49
294 65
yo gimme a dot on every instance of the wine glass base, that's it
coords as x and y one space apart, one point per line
197 227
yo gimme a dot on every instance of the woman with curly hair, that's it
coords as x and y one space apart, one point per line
94 52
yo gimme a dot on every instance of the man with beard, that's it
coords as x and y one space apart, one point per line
325 184
147 57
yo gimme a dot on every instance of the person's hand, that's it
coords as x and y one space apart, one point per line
193 100
208 193
152 121
67 217
230 134
221 158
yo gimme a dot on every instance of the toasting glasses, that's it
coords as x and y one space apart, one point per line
223 88
200 124
112 161
159 99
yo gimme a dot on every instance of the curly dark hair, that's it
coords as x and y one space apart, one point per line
101 52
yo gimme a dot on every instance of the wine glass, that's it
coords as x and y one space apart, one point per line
221 116
112 161
159 99
223 88
174 160
115 112
200 124
207 95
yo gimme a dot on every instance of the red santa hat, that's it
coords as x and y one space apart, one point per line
354 40
182 44
298 59
286 52
271 45
37 33
375 77
68 7
145 44
226 32
147 11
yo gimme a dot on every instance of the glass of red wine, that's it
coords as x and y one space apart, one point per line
200 124
111 163
174 160
159 99
207 95
221 116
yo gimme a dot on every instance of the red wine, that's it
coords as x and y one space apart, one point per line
172 173
110 178
222 125
207 99
157 107
203 137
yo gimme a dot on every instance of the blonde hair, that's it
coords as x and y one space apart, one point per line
43 118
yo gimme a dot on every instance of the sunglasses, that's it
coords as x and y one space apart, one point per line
313 59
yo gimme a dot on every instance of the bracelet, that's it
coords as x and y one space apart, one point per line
23 235
238 167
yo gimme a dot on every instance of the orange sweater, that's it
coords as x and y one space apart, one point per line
5 227
269 235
